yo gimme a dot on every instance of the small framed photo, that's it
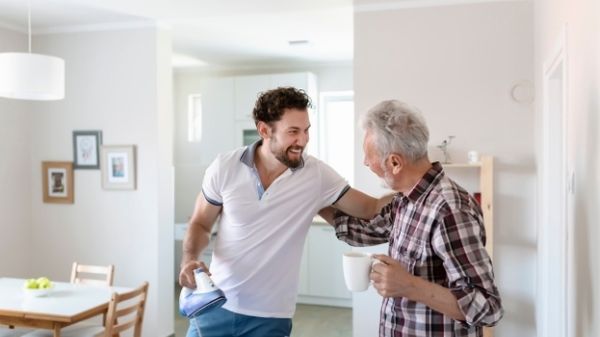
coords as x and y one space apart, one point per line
57 177
86 149
118 167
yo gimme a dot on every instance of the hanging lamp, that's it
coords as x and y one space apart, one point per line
31 76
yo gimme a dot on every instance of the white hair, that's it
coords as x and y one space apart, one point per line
397 128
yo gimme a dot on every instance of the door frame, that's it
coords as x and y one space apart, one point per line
557 201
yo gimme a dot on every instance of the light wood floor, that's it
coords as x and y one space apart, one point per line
309 321
321 321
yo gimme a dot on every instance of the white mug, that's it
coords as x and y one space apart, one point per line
357 267
473 157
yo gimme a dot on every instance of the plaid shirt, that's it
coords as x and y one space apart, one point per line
437 233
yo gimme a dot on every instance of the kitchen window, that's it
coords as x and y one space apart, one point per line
336 132
194 118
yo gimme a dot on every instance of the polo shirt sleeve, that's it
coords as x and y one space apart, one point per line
211 184
333 185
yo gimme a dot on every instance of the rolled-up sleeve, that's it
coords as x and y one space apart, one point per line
358 232
460 242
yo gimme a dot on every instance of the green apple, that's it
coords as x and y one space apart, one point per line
31 283
43 283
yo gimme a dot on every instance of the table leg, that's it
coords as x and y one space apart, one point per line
57 330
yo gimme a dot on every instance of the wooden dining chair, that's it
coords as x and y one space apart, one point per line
84 274
125 311
88 274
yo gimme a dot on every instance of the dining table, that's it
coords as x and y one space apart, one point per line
64 304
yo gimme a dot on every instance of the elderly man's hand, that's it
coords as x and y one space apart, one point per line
390 278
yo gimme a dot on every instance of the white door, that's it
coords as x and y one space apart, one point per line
557 200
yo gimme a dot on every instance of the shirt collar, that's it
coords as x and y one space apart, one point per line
248 155
434 174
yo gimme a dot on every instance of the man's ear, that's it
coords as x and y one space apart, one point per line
264 130
396 162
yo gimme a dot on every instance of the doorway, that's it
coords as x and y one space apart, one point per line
556 211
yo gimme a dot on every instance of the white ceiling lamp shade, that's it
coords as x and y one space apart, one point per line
31 76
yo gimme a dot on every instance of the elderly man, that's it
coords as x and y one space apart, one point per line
438 278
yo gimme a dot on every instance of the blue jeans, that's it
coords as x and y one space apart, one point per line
224 323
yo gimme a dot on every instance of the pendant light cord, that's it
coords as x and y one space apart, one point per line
29 23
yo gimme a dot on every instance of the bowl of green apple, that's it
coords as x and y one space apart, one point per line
38 287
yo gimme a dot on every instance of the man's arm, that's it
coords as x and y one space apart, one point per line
359 204
459 241
470 295
392 280
360 232
196 239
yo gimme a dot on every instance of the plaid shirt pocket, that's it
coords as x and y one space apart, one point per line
410 252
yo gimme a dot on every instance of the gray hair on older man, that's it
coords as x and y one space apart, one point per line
398 128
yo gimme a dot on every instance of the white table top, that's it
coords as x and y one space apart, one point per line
64 302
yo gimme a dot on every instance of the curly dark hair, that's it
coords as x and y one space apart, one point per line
271 104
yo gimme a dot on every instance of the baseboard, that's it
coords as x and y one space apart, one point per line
328 301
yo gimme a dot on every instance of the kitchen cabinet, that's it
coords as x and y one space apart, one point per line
321 272
303 80
217 119
226 112
247 89
245 132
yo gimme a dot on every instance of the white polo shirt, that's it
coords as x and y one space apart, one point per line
257 252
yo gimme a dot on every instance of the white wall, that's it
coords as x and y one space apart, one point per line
458 64
330 76
15 171
583 107
117 82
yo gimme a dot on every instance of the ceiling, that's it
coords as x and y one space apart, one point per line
223 33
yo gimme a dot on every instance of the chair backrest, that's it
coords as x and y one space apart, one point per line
100 275
126 310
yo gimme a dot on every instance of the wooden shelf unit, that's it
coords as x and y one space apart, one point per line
486 187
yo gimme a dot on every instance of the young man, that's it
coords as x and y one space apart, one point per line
267 195
438 278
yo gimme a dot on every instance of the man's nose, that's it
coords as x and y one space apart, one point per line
303 139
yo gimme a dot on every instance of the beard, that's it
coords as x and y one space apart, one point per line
387 180
284 157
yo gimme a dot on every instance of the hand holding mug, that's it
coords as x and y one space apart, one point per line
390 278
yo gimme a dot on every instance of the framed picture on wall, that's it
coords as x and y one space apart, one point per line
86 149
57 178
118 165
